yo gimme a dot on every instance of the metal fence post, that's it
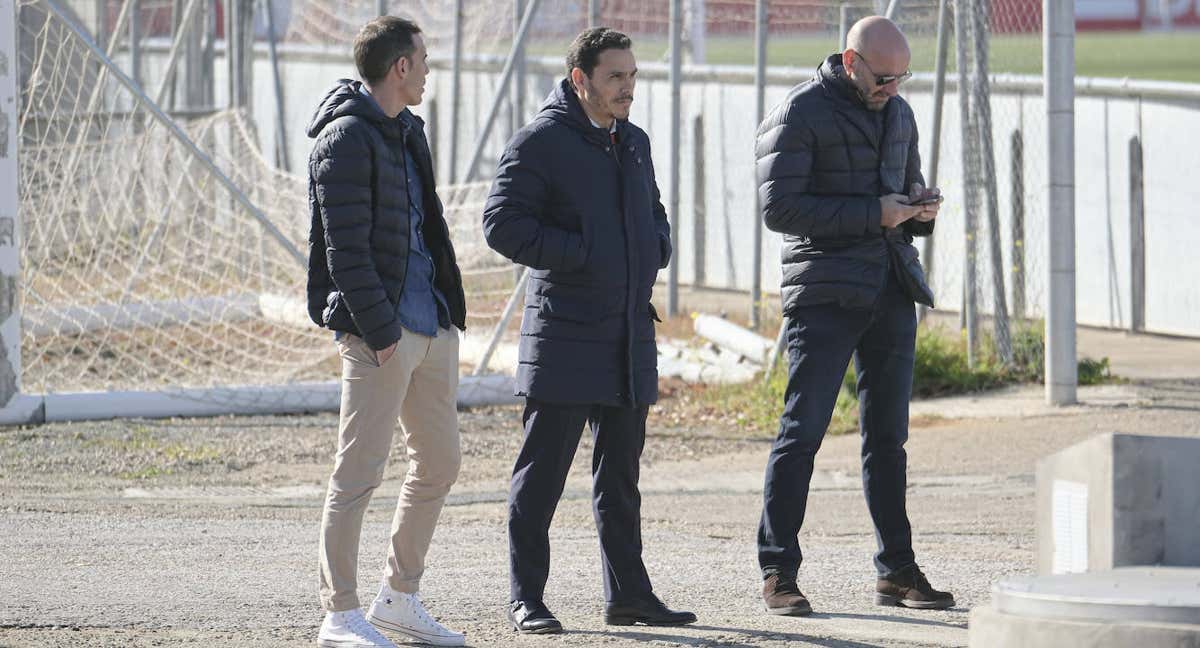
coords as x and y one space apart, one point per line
843 26
281 148
517 100
1017 198
700 207
969 318
760 90
455 92
1137 239
935 145
987 171
676 117
1058 64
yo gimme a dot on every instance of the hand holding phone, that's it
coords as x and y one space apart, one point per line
927 200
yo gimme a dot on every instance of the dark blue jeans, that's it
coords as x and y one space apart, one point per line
552 434
821 340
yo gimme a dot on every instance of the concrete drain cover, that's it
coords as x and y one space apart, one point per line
1156 594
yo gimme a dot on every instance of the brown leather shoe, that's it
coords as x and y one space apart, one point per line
908 588
783 597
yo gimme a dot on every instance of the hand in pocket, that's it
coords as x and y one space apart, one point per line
382 355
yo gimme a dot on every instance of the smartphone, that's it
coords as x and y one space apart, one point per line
928 201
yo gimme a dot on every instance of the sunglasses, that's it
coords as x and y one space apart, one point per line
884 80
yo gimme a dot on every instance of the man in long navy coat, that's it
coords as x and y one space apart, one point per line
575 200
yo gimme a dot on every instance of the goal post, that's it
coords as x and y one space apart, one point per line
14 407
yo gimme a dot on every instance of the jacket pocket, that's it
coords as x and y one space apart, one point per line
570 309
355 349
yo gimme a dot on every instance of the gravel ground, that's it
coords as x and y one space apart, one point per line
204 532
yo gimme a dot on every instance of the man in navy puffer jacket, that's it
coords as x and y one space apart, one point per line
575 200
383 276
837 169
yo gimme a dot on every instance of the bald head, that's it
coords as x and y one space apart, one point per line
875 49
877 37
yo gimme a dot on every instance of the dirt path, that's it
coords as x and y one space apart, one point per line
203 532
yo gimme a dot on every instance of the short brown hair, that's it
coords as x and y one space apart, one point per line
382 42
585 50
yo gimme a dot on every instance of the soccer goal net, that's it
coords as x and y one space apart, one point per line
162 258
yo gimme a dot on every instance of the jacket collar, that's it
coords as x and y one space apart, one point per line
844 95
562 105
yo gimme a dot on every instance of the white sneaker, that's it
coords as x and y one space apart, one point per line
349 629
406 614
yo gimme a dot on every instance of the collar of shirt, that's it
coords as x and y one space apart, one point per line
612 128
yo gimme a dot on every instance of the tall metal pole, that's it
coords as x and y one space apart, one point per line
1058 65
962 9
177 33
456 91
231 68
498 98
935 144
593 13
987 171
193 94
183 26
135 39
1137 239
843 26
10 221
281 146
381 7
760 108
676 26
517 100
206 82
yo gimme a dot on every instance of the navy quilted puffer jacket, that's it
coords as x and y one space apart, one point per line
358 240
824 160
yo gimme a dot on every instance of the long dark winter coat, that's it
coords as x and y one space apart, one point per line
586 217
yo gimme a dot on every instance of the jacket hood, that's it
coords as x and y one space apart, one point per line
346 98
562 105
832 75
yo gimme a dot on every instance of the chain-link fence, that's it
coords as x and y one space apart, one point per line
270 61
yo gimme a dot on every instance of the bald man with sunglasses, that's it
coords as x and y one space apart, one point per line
839 176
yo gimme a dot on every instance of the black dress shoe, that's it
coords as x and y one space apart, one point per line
532 617
649 611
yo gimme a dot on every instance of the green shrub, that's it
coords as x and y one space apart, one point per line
939 369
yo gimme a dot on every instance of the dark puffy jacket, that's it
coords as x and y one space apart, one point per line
824 160
586 217
358 242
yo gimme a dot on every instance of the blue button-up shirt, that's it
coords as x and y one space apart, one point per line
422 307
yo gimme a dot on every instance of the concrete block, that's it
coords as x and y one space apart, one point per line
1117 500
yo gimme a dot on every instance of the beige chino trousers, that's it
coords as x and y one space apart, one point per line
418 386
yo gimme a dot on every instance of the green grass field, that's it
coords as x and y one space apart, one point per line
1138 55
